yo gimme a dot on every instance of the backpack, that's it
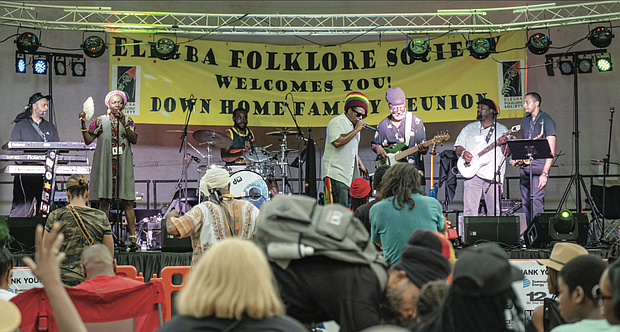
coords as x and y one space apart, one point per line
292 227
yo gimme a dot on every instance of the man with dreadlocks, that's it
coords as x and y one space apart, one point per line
219 218
30 126
402 211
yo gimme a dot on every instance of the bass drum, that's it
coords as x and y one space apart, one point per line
249 186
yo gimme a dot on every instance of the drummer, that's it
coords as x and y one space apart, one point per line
242 137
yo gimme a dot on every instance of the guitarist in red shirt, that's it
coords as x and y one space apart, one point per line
398 131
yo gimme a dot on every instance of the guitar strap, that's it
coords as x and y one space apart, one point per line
489 134
408 119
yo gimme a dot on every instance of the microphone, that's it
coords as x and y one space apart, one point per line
367 126
597 160
194 157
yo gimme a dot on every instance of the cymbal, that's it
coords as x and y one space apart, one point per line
215 138
179 131
267 146
285 150
283 132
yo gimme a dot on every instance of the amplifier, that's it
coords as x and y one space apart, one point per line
174 244
504 230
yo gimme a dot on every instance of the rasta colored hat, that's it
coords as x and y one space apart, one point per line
487 269
359 188
425 258
395 96
561 254
489 103
38 96
356 99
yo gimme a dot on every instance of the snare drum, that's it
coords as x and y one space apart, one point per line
258 155
249 186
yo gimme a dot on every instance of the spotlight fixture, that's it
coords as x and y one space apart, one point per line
27 42
93 46
538 43
563 222
566 67
604 63
78 67
600 37
39 64
20 62
418 48
60 65
584 65
164 48
549 66
480 48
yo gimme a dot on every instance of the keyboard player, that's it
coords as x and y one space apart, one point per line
32 127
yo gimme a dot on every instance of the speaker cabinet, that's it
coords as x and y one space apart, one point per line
504 230
541 233
22 233
172 243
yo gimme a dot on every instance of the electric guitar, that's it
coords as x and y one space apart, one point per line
396 153
481 158
432 192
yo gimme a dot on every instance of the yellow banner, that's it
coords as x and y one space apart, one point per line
313 80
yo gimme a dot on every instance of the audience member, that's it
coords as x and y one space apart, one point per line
98 267
578 307
608 293
11 317
231 288
363 212
46 267
6 268
402 211
480 293
431 297
81 226
547 316
216 219
360 190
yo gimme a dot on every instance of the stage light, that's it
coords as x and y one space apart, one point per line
27 42
78 67
60 65
563 222
39 64
164 48
93 46
20 62
538 43
418 48
584 65
600 37
604 63
549 66
480 48
566 67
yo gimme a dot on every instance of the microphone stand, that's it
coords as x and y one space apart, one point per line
300 136
117 191
495 175
606 162
183 207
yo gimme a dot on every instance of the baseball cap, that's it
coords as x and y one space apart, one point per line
561 254
395 96
38 96
487 267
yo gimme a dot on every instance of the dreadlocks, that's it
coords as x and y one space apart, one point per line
401 181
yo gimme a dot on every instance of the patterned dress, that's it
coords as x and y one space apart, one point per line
207 223
74 243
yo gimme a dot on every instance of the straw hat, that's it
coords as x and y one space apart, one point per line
11 317
561 254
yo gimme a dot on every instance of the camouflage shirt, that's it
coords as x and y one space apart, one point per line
74 243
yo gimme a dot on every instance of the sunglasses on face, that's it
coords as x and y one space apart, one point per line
359 115
597 294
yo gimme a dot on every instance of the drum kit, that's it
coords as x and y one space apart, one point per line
251 180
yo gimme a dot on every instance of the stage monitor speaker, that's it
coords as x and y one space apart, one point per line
172 243
541 233
504 230
22 232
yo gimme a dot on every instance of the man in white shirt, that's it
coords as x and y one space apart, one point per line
341 162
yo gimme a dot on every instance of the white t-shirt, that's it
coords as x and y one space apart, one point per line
6 295
340 163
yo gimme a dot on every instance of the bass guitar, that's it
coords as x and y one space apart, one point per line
481 158
397 153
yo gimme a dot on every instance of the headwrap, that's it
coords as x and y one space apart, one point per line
359 188
356 99
424 259
215 178
112 93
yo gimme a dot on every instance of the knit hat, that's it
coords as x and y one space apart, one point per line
487 267
359 188
424 258
215 178
356 99
395 96
113 93
489 103
561 254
